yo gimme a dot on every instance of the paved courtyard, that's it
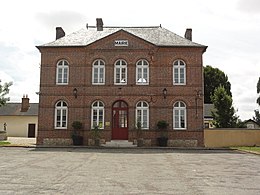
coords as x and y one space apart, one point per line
127 171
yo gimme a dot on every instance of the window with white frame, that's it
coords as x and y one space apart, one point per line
97 115
179 116
142 72
61 115
142 115
98 72
62 72
179 72
120 72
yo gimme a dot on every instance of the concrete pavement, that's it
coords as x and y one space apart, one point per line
127 171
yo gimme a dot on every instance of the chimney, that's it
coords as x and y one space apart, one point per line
59 32
188 34
99 24
25 103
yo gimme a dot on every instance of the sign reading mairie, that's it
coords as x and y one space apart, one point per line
123 43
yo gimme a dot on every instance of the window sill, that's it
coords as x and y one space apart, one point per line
181 84
120 83
60 128
98 83
142 83
62 83
180 129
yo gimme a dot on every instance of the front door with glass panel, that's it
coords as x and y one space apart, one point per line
120 121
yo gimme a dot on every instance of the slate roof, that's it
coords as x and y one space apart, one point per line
14 109
155 35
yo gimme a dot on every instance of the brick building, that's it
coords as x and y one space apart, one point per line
115 77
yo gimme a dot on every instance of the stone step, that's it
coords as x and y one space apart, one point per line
119 144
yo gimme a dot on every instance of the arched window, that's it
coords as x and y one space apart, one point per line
142 72
179 116
179 72
120 73
142 115
98 72
97 115
62 72
61 115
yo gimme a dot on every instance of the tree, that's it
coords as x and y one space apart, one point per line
256 118
213 78
224 112
4 90
258 91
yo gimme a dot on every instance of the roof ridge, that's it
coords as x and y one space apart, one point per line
20 103
126 27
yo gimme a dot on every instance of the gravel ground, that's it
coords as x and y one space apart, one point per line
127 171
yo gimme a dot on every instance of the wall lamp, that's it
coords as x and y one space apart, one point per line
75 92
164 93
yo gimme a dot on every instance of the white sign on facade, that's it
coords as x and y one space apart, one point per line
121 43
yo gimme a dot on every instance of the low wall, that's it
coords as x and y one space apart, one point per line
3 135
231 137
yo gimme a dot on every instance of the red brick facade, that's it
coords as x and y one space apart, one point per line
160 61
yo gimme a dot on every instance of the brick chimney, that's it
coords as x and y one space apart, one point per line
25 104
59 32
188 34
99 24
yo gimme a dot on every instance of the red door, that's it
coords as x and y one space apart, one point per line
120 121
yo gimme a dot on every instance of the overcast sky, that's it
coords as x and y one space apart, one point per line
230 29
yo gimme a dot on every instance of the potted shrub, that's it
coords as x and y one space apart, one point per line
96 135
162 126
139 133
76 137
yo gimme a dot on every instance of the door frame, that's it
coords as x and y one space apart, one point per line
113 129
31 131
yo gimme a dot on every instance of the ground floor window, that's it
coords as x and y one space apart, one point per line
61 115
179 115
142 115
97 115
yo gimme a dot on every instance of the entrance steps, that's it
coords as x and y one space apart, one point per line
119 144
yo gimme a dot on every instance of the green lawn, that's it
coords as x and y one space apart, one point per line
244 148
3 143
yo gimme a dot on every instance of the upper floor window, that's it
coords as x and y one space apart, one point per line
62 72
179 72
142 115
98 72
97 115
61 115
142 72
120 72
179 116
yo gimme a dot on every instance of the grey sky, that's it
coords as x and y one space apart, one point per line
230 29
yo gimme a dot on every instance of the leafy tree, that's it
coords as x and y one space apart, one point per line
258 91
4 90
257 114
213 78
256 118
224 112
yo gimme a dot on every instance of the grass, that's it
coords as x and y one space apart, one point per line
3 143
251 149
